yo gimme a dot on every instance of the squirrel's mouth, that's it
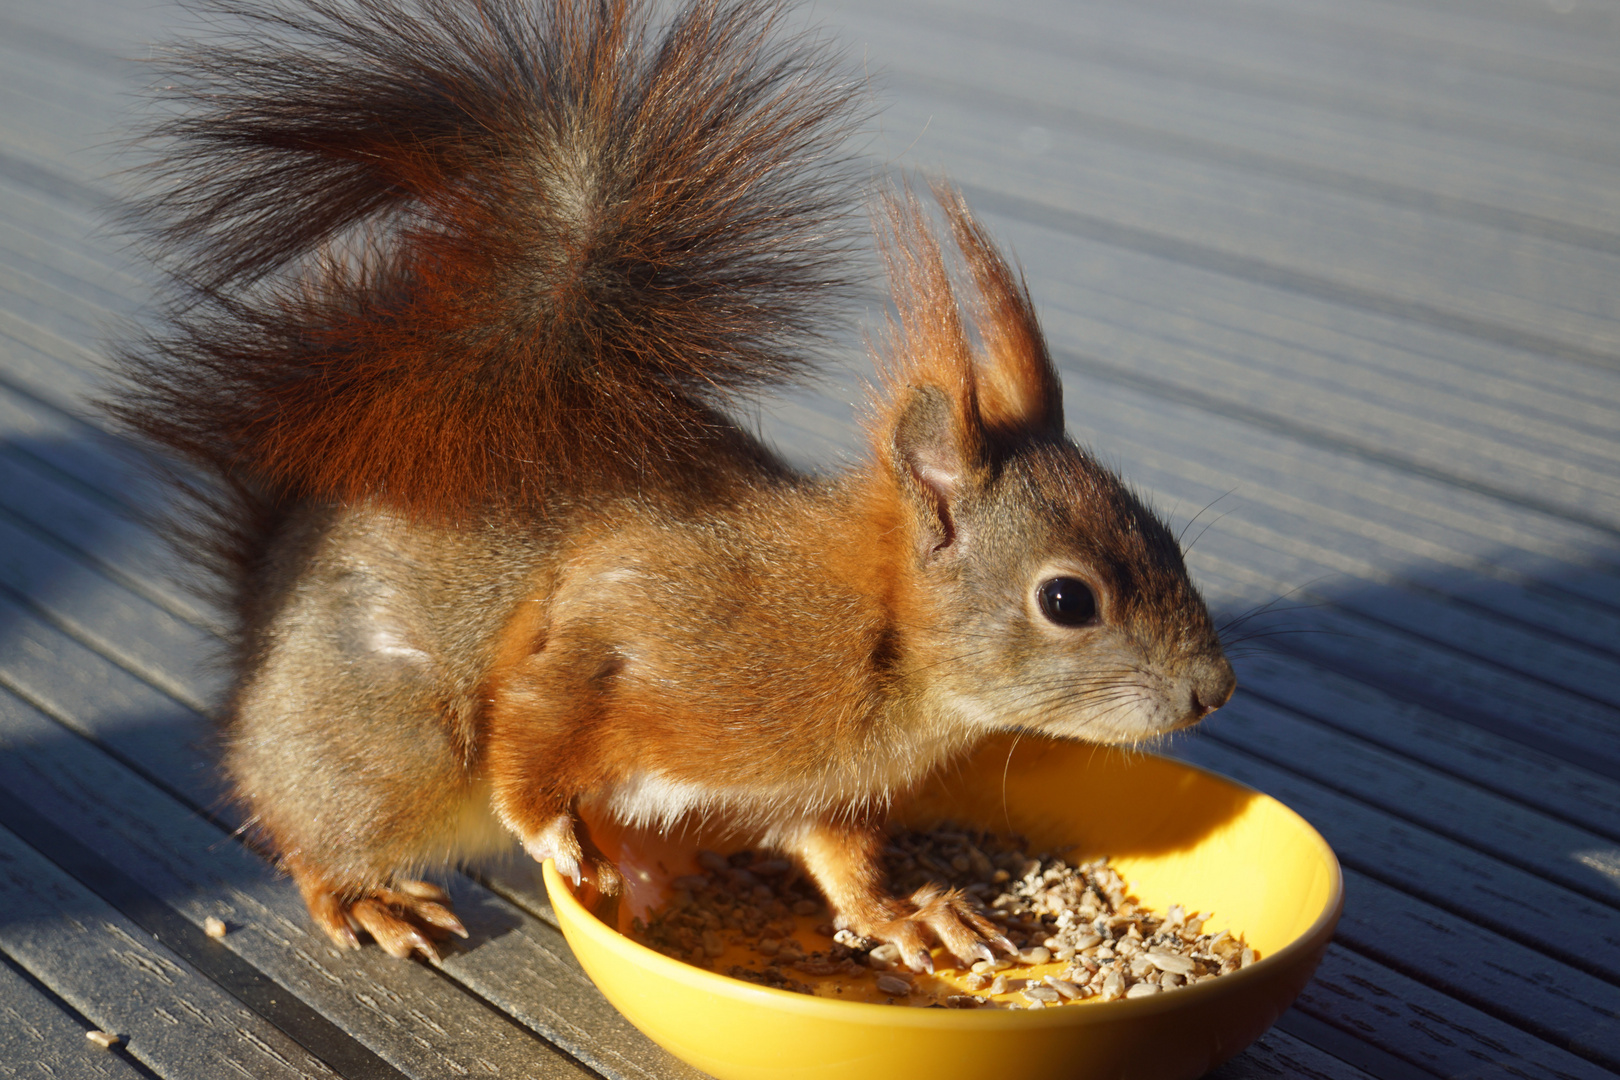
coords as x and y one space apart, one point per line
1132 710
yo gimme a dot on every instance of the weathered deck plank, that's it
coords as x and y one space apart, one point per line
1492 881
1450 745
108 969
1429 1028
40 1036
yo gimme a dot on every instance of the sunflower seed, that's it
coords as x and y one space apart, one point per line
893 984
1063 986
1080 915
1169 961
887 953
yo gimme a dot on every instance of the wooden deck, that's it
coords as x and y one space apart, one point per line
1336 281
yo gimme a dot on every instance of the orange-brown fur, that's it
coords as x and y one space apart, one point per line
457 313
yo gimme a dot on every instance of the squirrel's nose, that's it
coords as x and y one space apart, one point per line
1213 687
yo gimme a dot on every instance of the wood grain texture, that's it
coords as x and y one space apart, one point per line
40 1036
1552 195
1181 50
1453 746
1465 881
108 969
1428 1027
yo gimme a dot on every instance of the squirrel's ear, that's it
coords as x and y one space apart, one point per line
1018 388
933 461
930 420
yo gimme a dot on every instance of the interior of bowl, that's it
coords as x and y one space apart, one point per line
1178 834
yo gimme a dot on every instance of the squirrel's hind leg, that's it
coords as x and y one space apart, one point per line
346 746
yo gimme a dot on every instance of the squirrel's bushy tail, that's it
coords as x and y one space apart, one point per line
444 253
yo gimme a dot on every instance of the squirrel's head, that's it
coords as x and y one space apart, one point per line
1042 594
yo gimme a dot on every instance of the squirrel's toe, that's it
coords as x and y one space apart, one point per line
398 937
432 909
958 925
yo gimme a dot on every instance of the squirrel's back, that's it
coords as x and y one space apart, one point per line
465 256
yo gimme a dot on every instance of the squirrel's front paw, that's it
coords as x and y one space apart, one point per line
405 919
557 841
945 915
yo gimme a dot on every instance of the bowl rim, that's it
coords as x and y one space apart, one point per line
561 892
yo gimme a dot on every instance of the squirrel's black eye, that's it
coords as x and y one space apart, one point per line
1067 601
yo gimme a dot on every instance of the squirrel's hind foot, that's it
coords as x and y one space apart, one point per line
408 918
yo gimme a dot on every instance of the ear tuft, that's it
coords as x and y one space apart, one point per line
948 407
1005 390
1019 389
927 344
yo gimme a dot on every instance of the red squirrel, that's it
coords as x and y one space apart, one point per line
460 295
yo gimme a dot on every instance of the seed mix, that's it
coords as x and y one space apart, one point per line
1079 932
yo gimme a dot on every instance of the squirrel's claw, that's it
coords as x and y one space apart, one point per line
979 951
567 865
606 877
958 924
422 890
425 903
599 872
331 915
557 841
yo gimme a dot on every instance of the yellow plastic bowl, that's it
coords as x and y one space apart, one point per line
1178 835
